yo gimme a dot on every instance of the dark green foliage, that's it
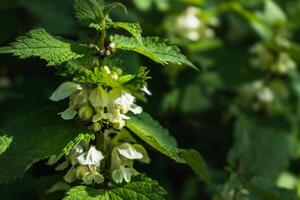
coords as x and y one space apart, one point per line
35 137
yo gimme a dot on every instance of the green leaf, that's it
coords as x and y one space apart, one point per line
133 28
141 188
153 134
112 6
5 141
82 137
262 189
159 50
99 77
89 11
196 162
258 145
143 5
35 136
38 43
274 14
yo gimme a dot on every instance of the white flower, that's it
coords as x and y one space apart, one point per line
193 35
190 20
65 90
265 95
125 100
71 158
136 109
91 157
123 173
122 158
106 70
126 103
92 177
146 90
112 45
77 151
129 152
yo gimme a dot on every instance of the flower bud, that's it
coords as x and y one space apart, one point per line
119 125
86 113
81 171
96 126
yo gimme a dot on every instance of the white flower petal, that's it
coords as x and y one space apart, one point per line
68 114
117 175
136 109
92 157
65 90
128 151
124 117
92 177
146 91
127 173
125 99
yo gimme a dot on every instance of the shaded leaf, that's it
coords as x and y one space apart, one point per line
133 28
196 162
4 143
89 11
159 50
35 136
153 134
262 189
141 188
38 43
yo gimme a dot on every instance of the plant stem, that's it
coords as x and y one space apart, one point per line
102 40
102 46
99 141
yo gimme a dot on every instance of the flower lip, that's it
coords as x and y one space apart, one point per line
128 151
91 157
146 90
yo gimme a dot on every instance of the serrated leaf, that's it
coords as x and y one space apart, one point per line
39 43
255 142
98 77
159 50
82 137
141 188
5 141
153 134
196 162
113 5
89 11
35 136
133 28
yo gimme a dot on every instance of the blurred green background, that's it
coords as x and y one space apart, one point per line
241 110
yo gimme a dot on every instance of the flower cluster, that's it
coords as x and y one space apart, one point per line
274 60
194 24
88 164
260 91
100 99
103 106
